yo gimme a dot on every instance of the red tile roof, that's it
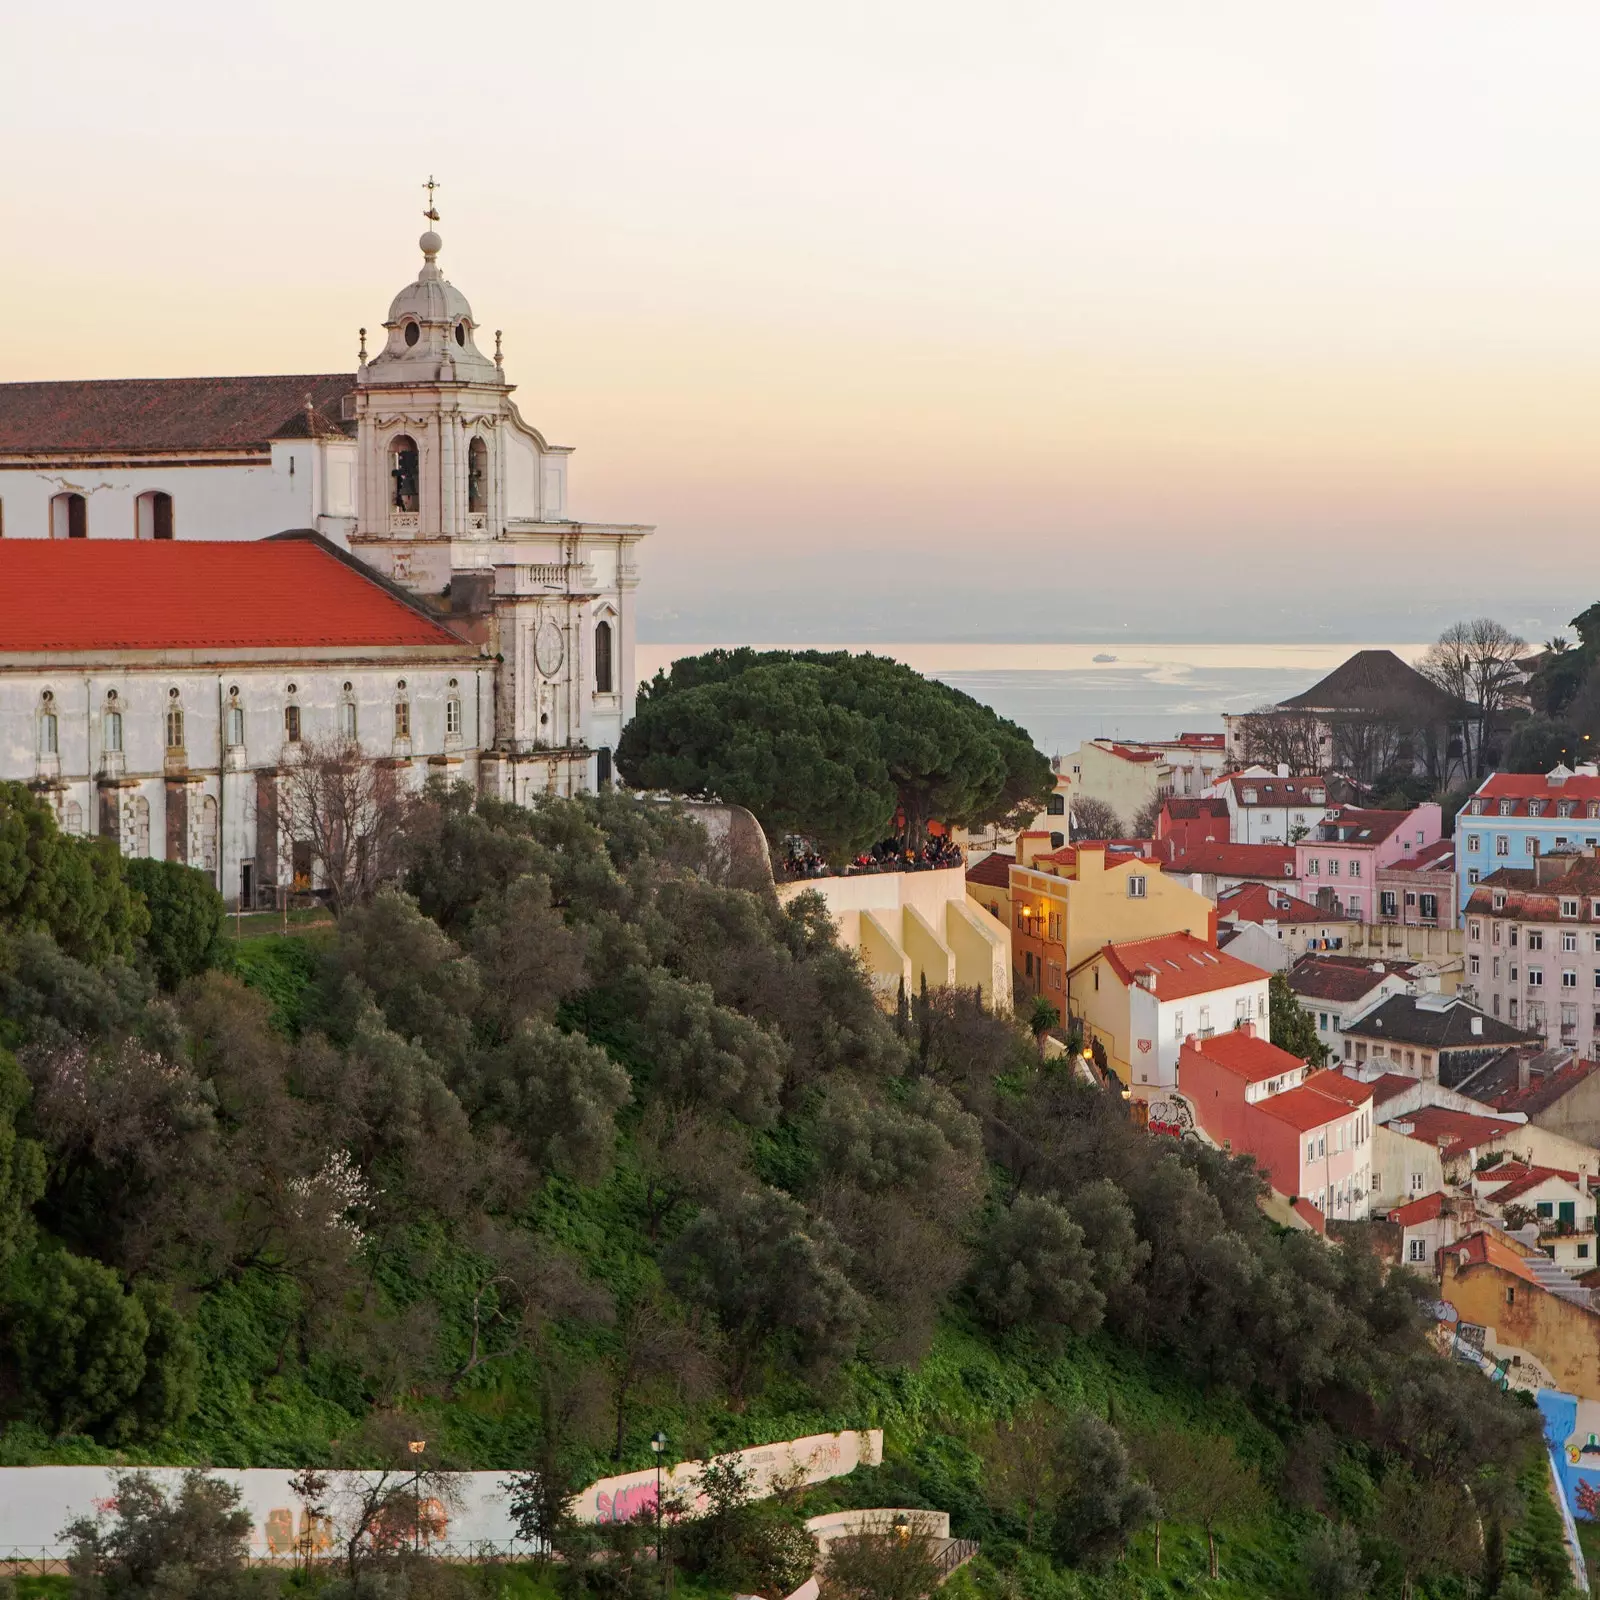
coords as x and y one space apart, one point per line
993 872
1415 1211
1302 1108
1122 751
1338 1086
1454 1133
1389 1084
1479 1249
1544 1091
1259 902
1314 978
1308 1213
1234 860
1181 964
1531 1180
1248 1057
169 414
1503 1172
1280 791
1357 825
126 594
1440 856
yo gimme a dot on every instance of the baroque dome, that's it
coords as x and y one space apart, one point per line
431 330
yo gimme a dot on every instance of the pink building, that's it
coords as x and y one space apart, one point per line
1339 861
1310 1132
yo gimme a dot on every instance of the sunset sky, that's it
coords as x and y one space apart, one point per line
1267 320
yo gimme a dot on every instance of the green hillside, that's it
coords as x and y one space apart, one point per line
570 1142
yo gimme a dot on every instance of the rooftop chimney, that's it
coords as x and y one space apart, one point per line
1248 1029
1477 1025
1283 769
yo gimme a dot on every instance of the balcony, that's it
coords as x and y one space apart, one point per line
405 521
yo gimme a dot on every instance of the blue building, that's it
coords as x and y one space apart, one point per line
1516 817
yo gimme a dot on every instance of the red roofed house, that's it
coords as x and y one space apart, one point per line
1428 1223
162 657
1264 808
1278 927
1142 998
1214 869
1419 891
1340 859
1129 774
1310 1132
1188 821
1560 1203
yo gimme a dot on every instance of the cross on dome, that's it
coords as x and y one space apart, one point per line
430 326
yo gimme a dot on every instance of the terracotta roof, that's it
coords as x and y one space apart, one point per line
127 594
1543 1092
1388 1085
169 414
1182 965
1357 825
1247 1056
1317 978
1191 810
1424 1209
1508 1171
1528 900
994 871
1377 680
1258 902
1309 1214
1452 1133
1302 1108
1340 1086
1124 753
1440 856
1524 786
1296 791
1422 1020
1234 860
1531 1179
1480 1249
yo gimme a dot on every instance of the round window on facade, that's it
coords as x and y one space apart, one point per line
412 333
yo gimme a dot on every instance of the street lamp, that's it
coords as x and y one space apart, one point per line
658 1443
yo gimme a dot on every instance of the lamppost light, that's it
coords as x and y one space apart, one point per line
658 1442
416 1446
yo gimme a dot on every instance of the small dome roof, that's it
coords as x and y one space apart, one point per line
443 331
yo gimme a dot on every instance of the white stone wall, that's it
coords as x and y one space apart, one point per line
215 771
308 484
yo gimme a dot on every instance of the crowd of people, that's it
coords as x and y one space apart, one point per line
801 860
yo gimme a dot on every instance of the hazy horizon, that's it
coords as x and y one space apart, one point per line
1237 321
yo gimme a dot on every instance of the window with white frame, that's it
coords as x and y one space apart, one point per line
1502 844
1474 964
1535 977
1569 908
1569 942
1474 844
49 732
1569 978
1355 869
1136 886
1416 1249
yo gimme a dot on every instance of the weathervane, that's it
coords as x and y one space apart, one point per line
431 213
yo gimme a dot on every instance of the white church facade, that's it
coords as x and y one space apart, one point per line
197 576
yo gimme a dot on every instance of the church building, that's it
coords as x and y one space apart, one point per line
199 576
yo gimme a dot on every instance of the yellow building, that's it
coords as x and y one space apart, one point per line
1065 904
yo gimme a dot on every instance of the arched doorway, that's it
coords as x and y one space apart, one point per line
403 472
69 517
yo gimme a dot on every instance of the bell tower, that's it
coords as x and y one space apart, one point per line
431 411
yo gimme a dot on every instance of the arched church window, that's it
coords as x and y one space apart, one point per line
174 726
235 725
153 515
602 657
477 475
403 471
69 517
461 334
72 819
113 732
412 333
208 833
49 733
